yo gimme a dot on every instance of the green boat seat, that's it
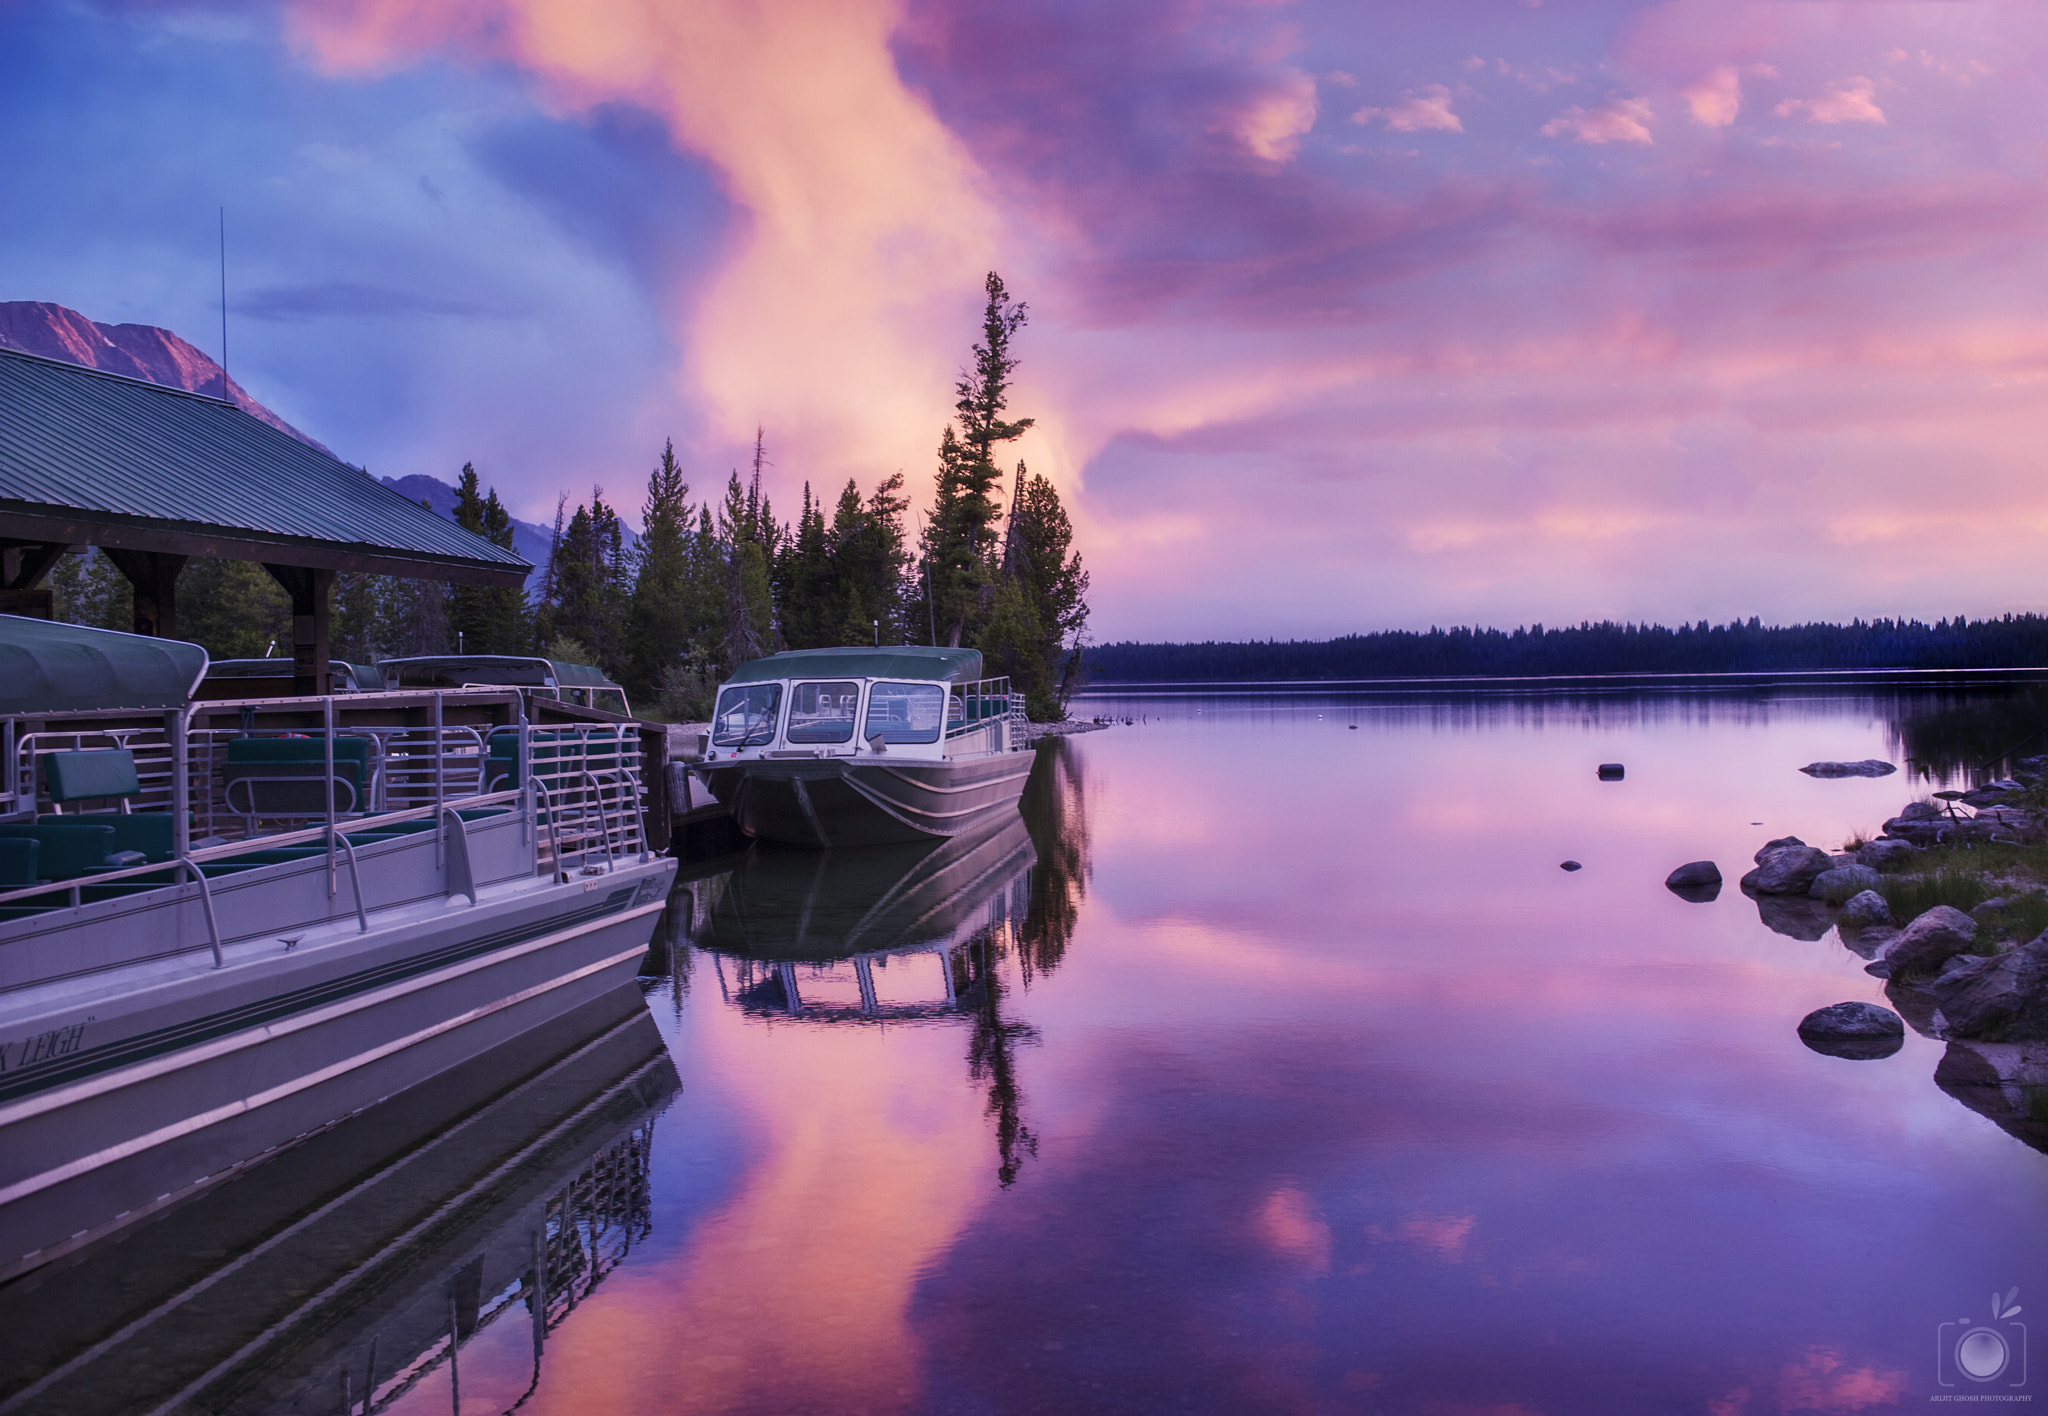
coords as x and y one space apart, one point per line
18 861
80 776
283 776
273 855
69 850
149 832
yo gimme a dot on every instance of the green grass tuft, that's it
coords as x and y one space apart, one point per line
1911 896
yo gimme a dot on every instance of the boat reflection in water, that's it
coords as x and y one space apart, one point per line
908 934
340 1274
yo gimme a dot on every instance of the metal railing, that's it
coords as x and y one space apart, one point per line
971 707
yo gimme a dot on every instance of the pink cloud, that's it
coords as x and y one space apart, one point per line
1271 127
1428 110
1849 101
1717 97
1819 1381
1444 1235
1624 120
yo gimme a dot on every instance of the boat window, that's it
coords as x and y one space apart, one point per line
822 712
746 715
905 712
612 700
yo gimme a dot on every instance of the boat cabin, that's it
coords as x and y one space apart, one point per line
580 684
909 701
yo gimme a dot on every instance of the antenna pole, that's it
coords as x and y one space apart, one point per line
224 305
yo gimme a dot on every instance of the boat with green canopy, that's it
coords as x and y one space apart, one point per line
224 924
862 747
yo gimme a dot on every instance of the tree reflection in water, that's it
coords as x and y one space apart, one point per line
785 922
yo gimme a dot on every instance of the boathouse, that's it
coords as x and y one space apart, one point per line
155 475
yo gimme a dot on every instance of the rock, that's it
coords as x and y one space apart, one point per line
1571 865
1692 875
2003 998
1611 771
1868 767
1790 870
2006 1083
1989 907
1795 916
1919 811
1930 941
1837 885
1861 1031
1887 855
1991 794
1768 846
1866 909
1838 859
1748 882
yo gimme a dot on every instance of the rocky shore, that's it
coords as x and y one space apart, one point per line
1974 977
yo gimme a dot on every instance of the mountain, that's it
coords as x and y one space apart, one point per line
138 351
529 541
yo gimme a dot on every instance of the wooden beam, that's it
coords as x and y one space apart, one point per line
24 564
72 527
312 593
155 578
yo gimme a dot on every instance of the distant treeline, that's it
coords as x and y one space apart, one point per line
2015 641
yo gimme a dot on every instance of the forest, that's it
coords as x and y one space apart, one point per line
706 585
2013 641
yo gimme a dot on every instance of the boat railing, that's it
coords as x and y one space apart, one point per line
585 810
973 707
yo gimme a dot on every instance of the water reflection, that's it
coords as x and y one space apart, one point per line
1971 736
905 934
357 1270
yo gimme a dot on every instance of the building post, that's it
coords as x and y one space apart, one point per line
154 574
23 567
312 593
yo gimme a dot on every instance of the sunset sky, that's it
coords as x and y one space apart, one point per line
1344 316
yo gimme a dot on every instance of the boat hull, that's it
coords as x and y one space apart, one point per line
167 1089
827 802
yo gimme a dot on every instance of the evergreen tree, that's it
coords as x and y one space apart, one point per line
486 619
960 544
1044 626
671 611
234 608
750 539
88 590
804 581
591 584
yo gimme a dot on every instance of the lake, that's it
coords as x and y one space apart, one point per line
1279 1067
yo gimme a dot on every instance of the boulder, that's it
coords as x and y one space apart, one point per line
1992 794
2003 998
1860 1031
1768 846
1868 767
1928 942
1612 771
1565 865
1790 870
1838 859
1918 811
1887 855
1694 874
1916 1005
1837 885
1866 909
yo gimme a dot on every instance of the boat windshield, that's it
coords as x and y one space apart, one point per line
746 715
905 712
822 712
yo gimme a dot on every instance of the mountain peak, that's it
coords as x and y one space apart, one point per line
138 351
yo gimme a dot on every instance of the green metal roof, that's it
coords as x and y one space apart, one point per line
910 661
92 456
50 668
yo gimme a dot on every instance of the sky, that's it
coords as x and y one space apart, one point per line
1343 316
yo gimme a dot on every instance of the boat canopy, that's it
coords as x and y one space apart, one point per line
909 661
515 670
68 668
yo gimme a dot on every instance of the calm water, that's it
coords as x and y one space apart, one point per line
1281 1069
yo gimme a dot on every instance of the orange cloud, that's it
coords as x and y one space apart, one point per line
840 316
1273 125
1716 98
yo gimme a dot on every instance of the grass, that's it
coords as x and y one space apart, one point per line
1963 877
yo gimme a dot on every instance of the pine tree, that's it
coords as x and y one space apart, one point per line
1045 590
960 544
665 615
88 590
486 619
590 580
804 582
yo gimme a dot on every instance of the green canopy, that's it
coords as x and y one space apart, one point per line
67 668
910 661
